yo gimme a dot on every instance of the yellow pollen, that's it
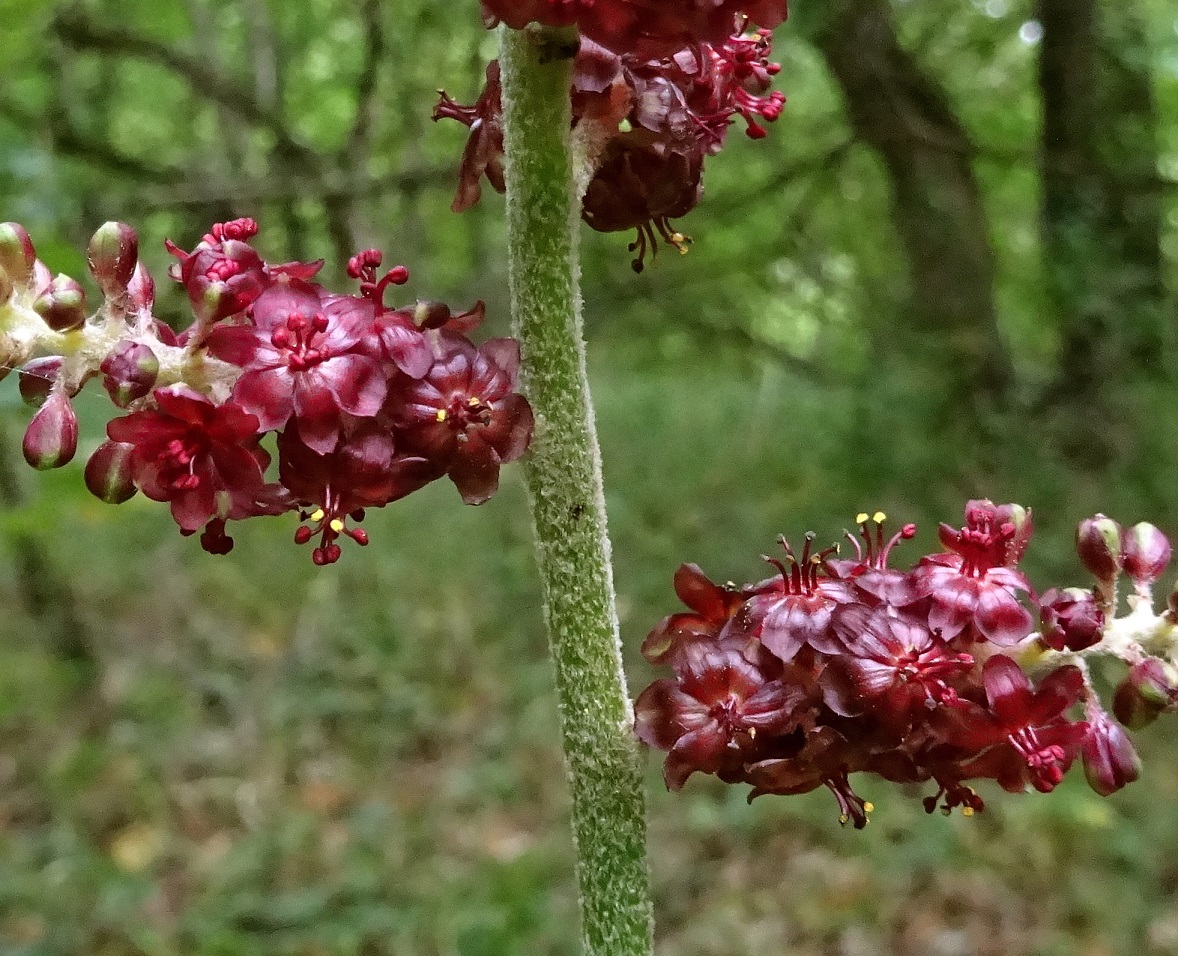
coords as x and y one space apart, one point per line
336 525
868 807
843 818
474 400
879 517
317 514
861 517
442 414
967 811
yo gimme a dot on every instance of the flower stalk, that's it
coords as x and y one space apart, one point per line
563 474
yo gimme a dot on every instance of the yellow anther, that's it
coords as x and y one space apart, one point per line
442 416
317 514
879 517
967 811
473 401
868 806
336 525
843 818
861 517
752 733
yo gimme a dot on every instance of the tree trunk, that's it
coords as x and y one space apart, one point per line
950 330
1101 217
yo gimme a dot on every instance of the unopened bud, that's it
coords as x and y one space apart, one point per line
17 255
1098 543
141 288
108 472
1110 760
1071 618
130 372
52 436
37 378
62 305
1024 526
112 255
1147 690
1145 554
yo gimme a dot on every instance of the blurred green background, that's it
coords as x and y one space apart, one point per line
949 272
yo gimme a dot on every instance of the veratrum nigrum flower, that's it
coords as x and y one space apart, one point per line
369 401
642 28
839 667
648 113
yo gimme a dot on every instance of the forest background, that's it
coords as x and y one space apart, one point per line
949 272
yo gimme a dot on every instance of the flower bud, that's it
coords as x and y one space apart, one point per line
1147 690
108 472
1145 552
1071 619
1110 760
17 255
141 288
52 436
62 305
131 371
113 254
37 378
1098 543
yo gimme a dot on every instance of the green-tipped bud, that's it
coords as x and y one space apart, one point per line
52 436
112 255
1098 543
17 255
1147 690
1145 552
62 305
37 378
108 472
130 372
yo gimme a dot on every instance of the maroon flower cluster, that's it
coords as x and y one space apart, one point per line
368 402
643 28
835 666
649 116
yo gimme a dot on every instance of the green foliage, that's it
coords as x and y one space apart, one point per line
268 759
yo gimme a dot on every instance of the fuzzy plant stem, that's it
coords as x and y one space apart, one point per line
563 474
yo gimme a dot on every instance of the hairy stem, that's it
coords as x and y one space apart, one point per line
564 479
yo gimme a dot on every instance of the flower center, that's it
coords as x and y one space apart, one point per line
177 461
296 338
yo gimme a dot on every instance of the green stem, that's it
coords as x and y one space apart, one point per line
564 480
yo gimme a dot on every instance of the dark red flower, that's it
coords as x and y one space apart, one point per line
712 605
977 584
796 611
465 415
484 147
362 471
643 28
709 717
301 361
1022 733
201 458
1071 619
892 665
223 275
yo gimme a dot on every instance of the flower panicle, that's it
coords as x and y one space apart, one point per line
842 666
649 104
369 400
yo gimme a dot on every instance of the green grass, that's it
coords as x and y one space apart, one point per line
273 759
